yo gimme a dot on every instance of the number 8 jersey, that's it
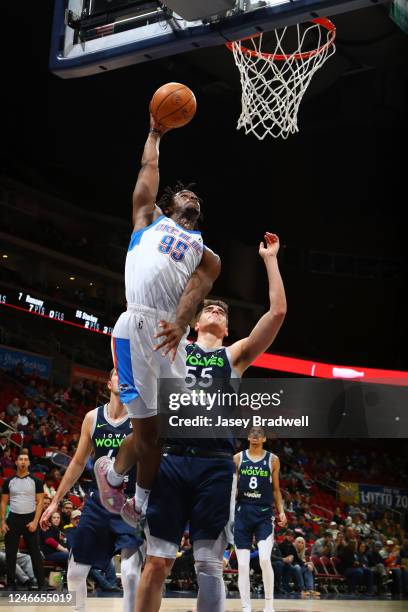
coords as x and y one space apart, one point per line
255 479
160 261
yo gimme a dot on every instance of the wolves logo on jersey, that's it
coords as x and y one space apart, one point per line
107 438
255 480
254 500
101 534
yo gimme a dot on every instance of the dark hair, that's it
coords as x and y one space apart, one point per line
210 302
169 192
23 455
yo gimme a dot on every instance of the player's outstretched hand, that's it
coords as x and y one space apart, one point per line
45 520
155 125
282 519
172 332
272 245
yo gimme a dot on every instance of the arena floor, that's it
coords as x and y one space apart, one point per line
232 605
282 605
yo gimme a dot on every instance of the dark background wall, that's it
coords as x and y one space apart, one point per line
334 193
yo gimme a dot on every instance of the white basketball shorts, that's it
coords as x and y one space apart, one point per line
139 367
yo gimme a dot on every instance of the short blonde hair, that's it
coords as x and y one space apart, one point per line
301 554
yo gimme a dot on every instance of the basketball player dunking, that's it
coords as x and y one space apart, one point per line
258 481
168 273
100 534
195 479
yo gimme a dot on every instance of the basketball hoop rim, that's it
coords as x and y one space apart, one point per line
323 21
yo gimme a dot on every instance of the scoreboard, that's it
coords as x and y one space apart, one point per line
78 316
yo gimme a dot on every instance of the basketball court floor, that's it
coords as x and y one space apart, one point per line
110 604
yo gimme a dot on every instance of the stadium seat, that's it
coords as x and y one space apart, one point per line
39 475
320 573
334 563
37 451
8 472
332 573
16 437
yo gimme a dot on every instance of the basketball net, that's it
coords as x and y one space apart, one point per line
273 84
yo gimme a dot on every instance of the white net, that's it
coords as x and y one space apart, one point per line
273 84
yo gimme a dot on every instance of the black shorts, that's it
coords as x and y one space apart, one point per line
252 520
190 489
100 535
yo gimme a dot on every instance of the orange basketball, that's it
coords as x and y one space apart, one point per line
173 105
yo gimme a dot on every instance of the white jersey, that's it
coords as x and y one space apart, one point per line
160 261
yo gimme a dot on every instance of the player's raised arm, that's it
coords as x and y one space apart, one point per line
200 283
145 210
74 470
245 351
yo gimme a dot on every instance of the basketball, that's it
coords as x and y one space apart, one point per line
173 105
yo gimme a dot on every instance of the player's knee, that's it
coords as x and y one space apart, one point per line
76 574
157 569
264 562
145 434
130 572
242 564
211 593
211 568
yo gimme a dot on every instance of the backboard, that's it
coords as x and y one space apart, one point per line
93 36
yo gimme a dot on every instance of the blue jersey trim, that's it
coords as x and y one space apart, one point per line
136 236
123 360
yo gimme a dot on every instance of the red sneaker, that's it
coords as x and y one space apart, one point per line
112 498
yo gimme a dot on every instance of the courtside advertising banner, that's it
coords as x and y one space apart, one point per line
31 363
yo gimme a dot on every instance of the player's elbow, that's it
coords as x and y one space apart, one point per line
210 266
207 283
213 271
217 267
78 464
278 312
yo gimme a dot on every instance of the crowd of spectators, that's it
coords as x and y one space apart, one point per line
39 421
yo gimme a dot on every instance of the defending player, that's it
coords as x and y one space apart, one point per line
258 481
100 534
194 482
168 273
